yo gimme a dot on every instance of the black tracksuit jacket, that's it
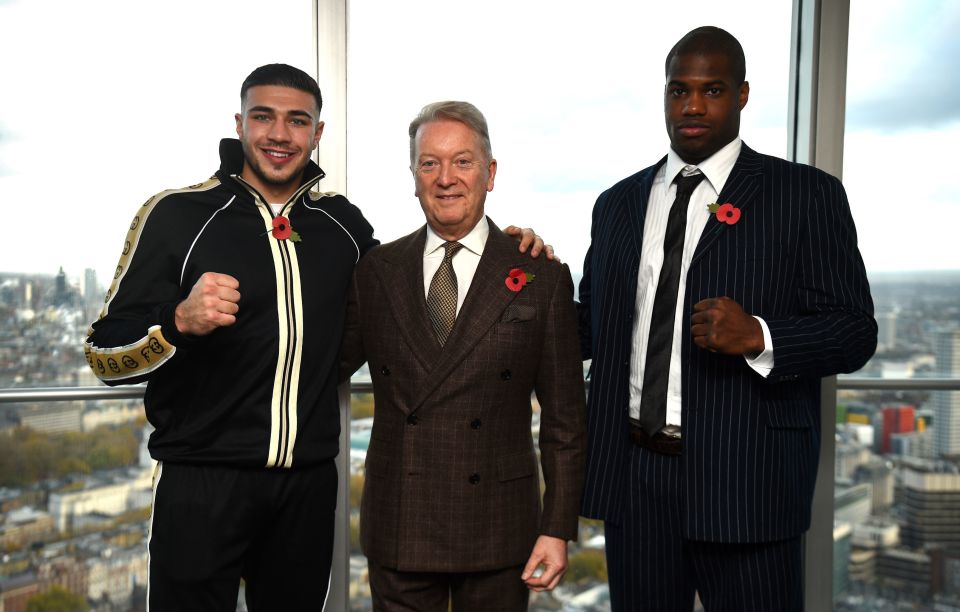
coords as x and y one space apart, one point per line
259 393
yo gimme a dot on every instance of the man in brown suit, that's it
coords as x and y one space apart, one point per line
459 329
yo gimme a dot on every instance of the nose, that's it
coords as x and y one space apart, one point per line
447 175
279 131
694 104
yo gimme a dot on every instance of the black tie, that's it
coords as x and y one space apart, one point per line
656 371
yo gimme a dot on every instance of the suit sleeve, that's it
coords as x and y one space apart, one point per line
136 334
583 309
560 391
835 330
584 292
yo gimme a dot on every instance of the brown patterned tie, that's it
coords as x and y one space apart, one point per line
442 296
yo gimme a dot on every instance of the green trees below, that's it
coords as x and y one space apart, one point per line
57 600
29 456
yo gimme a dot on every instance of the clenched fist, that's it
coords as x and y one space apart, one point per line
212 303
720 325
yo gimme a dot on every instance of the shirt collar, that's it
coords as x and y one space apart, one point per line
474 241
716 168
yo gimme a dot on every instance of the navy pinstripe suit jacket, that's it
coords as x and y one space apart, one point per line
750 444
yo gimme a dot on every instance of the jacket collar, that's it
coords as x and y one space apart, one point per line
231 165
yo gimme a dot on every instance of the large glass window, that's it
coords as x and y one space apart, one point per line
897 479
574 99
104 103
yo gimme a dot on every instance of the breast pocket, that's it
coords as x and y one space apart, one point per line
518 313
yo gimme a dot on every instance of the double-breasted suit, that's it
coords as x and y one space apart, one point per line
451 472
750 444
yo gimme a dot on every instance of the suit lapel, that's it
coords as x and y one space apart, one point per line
483 306
402 277
637 210
741 190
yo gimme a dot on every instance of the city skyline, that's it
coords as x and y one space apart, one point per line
884 437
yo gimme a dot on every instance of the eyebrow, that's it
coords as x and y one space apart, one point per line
454 154
268 109
712 83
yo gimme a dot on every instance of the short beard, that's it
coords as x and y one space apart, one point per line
254 164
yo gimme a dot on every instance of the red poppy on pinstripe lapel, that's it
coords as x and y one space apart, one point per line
517 278
725 213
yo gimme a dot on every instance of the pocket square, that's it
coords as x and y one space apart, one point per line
516 313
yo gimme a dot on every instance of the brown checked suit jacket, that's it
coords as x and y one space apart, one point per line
451 472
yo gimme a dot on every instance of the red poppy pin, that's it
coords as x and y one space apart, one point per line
726 213
517 279
282 229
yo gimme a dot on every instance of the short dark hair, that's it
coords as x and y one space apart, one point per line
710 39
282 75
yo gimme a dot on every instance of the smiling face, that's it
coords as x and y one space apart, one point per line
452 176
702 103
279 127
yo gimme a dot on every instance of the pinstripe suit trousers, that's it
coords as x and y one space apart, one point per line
653 567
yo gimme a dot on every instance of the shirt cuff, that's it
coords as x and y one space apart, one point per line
762 364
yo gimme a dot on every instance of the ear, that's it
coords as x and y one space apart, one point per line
317 134
239 119
492 169
744 94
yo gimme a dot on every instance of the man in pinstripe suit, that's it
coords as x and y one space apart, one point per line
703 413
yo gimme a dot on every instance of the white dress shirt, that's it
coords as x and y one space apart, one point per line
464 263
716 169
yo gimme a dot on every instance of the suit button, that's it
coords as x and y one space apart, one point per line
505 375
385 371
476 423
474 479
413 419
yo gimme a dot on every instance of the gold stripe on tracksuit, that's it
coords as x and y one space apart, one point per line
141 357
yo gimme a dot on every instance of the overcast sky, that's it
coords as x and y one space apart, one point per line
106 102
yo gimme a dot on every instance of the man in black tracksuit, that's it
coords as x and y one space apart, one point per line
229 299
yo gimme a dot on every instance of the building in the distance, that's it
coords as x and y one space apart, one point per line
23 526
852 504
841 555
920 444
946 404
876 533
91 290
896 420
17 589
100 501
879 475
931 507
115 574
52 418
906 571
849 458
886 330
